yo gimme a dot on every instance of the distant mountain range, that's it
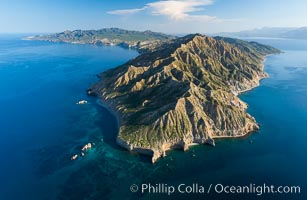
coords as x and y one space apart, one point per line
281 32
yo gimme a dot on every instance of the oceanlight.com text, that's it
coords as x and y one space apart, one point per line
197 188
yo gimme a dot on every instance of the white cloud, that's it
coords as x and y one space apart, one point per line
178 9
126 11
174 9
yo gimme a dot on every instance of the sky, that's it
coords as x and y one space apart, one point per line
168 16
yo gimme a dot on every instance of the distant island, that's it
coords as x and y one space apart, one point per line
179 91
270 32
107 37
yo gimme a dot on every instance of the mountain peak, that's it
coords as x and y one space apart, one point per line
183 91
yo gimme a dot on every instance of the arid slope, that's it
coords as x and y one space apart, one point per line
183 91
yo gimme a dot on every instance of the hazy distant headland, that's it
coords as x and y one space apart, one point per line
269 32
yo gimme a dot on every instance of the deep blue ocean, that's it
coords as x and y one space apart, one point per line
41 127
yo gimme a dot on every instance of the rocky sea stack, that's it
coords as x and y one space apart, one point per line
183 91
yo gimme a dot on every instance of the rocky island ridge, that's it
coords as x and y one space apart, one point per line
183 91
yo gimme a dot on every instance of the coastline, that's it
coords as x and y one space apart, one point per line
158 153
120 142
155 154
243 91
104 104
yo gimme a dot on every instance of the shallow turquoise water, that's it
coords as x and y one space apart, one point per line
41 127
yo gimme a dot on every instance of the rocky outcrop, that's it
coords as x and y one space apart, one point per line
74 157
183 92
86 147
84 150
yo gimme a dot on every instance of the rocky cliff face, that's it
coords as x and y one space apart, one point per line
183 91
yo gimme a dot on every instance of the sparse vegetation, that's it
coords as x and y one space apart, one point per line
192 85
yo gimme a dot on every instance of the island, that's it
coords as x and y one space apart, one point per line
183 92
179 91
139 40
